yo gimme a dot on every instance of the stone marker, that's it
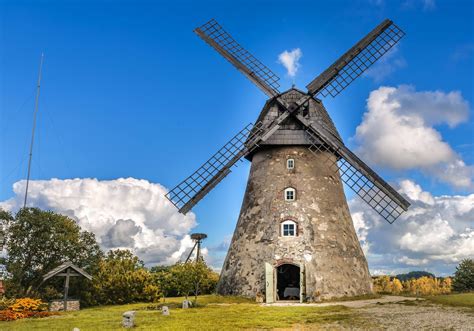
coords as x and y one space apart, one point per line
165 310
187 304
128 319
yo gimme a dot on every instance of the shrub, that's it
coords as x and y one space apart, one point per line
24 308
122 278
6 302
28 304
10 315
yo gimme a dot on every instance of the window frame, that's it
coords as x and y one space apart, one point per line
289 222
288 164
286 191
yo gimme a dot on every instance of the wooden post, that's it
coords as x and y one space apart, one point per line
66 288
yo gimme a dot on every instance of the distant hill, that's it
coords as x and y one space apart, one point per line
414 275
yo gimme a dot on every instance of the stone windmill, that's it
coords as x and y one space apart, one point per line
295 238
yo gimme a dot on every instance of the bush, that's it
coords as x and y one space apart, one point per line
24 308
464 276
28 304
186 279
6 302
122 278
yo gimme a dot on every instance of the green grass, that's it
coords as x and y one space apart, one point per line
459 300
216 313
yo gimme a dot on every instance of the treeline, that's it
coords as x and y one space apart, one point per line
421 286
38 241
425 283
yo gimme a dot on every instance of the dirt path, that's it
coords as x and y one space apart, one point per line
350 304
419 315
395 313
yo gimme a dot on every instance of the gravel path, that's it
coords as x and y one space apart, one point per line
350 304
418 316
397 313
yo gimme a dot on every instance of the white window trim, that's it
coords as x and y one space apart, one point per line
289 222
292 161
290 189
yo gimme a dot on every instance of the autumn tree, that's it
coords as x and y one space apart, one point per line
382 284
446 285
463 280
397 286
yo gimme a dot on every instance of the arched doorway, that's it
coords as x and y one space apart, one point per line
288 282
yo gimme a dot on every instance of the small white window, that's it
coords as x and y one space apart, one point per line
290 164
290 194
288 229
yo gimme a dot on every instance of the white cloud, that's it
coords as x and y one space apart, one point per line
386 65
123 213
290 60
397 132
429 4
434 234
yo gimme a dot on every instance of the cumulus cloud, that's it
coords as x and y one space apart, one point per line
434 234
397 132
121 234
123 213
386 65
290 60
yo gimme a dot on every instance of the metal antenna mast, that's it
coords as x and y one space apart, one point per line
34 126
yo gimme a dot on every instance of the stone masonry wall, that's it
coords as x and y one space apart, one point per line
326 243
58 305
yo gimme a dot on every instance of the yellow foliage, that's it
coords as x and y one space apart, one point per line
27 304
397 286
421 286
382 284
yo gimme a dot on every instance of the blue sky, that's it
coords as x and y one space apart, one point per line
130 91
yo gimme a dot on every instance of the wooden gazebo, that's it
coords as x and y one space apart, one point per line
67 269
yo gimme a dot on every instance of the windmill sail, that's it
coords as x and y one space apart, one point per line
213 34
191 190
187 193
356 60
356 174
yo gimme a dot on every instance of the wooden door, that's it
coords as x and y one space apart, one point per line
269 283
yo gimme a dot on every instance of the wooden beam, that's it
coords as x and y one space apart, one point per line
319 82
237 64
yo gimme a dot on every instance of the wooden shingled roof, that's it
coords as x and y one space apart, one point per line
63 267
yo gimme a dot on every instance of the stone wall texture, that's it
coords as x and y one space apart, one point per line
58 305
326 244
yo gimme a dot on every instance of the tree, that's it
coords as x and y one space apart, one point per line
463 280
446 285
165 280
122 278
396 286
382 284
38 241
193 278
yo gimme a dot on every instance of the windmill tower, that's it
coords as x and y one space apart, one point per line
295 238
